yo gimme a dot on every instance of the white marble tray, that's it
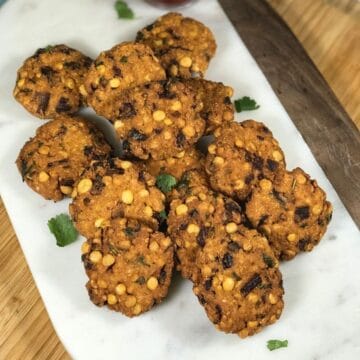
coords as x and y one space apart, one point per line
321 319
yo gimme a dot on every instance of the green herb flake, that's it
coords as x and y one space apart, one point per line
113 250
165 182
140 280
276 344
63 229
141 260
123 10
26 170
48 48
268 260
162 215
245 104
129 231
124 59
183 182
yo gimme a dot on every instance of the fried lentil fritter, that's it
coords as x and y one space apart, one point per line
159 119
113 189
124 66
129 267
53 160
183 45
177 165
240 285
216 97
198 216
291 211
242 154
50 83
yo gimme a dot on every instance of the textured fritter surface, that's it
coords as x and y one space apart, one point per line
183 45
240 285
159 119
113 189
129 267
50 83
291 211
177 165
124 66
216 97
242 154
196 217
53 160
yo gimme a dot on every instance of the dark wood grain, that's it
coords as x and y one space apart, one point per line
311 104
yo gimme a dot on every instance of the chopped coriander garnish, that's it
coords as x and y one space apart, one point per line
48 48
165 182
183 182
124 59
268 260
245 104
162 215
141 260
276 344
63 229
123 10
129 231
25 169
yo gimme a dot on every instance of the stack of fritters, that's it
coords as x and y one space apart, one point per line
228 216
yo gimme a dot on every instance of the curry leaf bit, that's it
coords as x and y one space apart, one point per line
165 182
276 344
245 104
123 10
63 229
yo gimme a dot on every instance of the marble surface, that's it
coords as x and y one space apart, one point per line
321 318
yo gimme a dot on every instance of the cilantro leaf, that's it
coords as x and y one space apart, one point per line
162 215
129 231
245 103
268 260
183 182
165 182
124 59
48 48
63 229
276 344
123 10
25 169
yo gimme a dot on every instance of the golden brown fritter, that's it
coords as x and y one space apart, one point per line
129 267
53 160
242 154
183 45
216 97
291 211
50 83
198 216
240 285
177 165
111 189
159 119
124 66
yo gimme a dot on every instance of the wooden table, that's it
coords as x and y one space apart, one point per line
329 31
